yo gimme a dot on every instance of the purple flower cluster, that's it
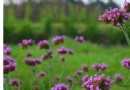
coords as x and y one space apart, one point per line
97 83
41 74
60 87
85 78
114 16
63 50
32 61
69 79
79 39
43 44
118 78
127 7
126 63
15 82
78 73
62 58
58 39
26 42
7 49
9 64
85 68
47 55
99 67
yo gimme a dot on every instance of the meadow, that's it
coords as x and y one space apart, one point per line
85 53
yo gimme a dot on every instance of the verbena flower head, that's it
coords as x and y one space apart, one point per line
126 63
97 83
62 50
79 39
78 73
118 78
15 82
85 68
58 39
114 16
7 49
9 64
69 79
70 51
99 67
26 42
127 7
41 74
60 87
85 78
43 44
62 58
32 61
47 55
28 54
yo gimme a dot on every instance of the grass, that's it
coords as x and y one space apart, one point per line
85 53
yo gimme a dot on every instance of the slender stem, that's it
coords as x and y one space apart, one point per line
128 77
126 36
31 78
7 87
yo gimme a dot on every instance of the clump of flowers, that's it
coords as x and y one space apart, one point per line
62 58
126 63
15 82
79 39
118 78
9 64
41 74
62 50
26 42
78 73
32 61
58 39
99 67
69 79
60 87
85 78
85 68
47 55
70 51
7 49
127 7
97 83
43 44
114 16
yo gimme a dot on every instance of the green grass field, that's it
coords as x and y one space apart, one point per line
85 53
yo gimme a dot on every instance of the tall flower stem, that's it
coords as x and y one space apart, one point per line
7 87
126 36
31 79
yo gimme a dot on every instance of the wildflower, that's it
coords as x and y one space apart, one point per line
43 44
126 63
97 83
41 74
69 79
32 61
28 54
47 55
118 78
114 16
9 64
62 50
62 58
85 78
36 87
127 7
70 51
99 67
58 39
15 82
78 73
7 49
26 42
79 39
60 87
85 67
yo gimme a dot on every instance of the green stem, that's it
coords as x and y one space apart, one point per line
127 37
31 78
7 87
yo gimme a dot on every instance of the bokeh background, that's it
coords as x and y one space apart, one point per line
39 19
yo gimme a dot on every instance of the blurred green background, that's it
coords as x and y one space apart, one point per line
46 18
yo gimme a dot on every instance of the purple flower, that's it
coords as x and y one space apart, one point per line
62 50
114 16
58 39
127 7
41 74
69 79
43 44
7 49
79 39
97 83
62 58
9 64
28 54
118 78
126 63
85 67
47 55
26 42
15 82
60 87
99 67
70 51
32 61
85 78
78 73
